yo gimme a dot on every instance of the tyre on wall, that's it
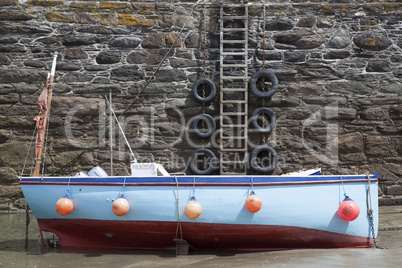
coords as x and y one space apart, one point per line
267 74
259 163
262 112
211 125
204 82
213 163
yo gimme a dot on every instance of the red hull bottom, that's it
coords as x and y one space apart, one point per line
83 233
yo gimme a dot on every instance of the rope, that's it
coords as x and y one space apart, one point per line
75 159
178 227
264 136
343 186
204 25
29 149
370 212
27 221
124 187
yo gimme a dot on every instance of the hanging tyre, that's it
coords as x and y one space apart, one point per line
253 83
211 125
255 119
259 164
204 82
213 162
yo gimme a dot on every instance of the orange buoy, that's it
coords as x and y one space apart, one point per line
64 206
348 210
120 206
253 203
193 209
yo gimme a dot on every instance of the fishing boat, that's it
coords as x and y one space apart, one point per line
151 208
296 211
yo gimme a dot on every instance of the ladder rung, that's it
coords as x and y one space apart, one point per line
234 17
230 53
233 162
233 5
232 149
234 29
233 138
234 89
234 41
234 77
233 101
233 113
233 125
234 65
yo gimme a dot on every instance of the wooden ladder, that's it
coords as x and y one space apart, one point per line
233 88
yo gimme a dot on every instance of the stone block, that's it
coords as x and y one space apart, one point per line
79 40
278 25
125 42
377 146
295 56
14 15
4 59
154 41
56 16
11 75
351 143
45 3
376 113
352 158
170 38
127 73
371 40
395 112
131 20
337 54
75 53
378 66
8 175
34 63
77 77
193 40
307 22
340 39
108 57
67 66
171 75
393 190
183 63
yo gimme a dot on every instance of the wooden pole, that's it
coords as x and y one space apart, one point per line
38 156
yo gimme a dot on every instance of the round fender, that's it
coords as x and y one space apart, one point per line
207 82
213 163
261 111
211 125
263 73
256 164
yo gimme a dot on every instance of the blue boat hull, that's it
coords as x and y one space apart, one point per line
296 212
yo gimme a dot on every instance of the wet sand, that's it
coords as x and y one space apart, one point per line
12 253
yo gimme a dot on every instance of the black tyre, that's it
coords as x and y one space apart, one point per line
206 82
263 73
213 162
256 163
211 125
262 111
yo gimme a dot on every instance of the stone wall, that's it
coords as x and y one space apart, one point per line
338 106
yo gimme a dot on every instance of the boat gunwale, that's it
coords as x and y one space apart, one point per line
198 181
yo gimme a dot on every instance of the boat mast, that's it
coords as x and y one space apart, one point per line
40 140
111 132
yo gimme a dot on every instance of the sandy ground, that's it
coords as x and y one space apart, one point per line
12 232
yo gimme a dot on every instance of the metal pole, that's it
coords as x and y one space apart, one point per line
111 132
